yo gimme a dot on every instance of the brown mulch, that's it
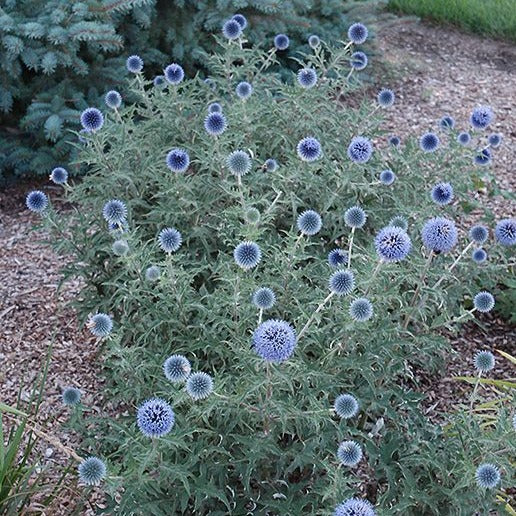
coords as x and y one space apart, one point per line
437 71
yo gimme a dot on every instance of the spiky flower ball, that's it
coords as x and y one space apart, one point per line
239 163
355 217
134 64
178 160
494 139
337 257
152 273
114 211
281 41
361 309
59 176
392 244
92 119
177 368
479 255
71 396
482 157
447 122
484 361
159 82
120 247
314 41
479 233
484 301
386 97
170 240
307 77
36 201
346 406
358 60
232 29
349 453
199 386
214 107
100 325
215 124
264 298
270 165
113 99
342 282
360 150
309 149
395 141
241 20
439 235
464 138
252 216
429 142
387 177
309 223
354 507
274 340
244 90
174 73
505 232
399 221
357 33
487 476
442 193
481 117
155 418
247 255
92 471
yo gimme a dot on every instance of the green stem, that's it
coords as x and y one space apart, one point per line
317 310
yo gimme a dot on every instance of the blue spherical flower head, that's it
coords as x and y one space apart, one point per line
71 396
134 64
342 282
155 418
244 90
355 217
307 77
479 234
337 257
264 298
464 138
174 73
159 82
178 160
360 150
309 149
241 20
399 222
274 340
505 232
120 247
247 255
495 140
386 98
354 507
314 41
482 157
152 273
392 244
113 99
395 141
361 309
281 41
481 117
346 406
358 60
357 33
214 107
429 142
479 255
487 476
387 177
177 368
36 201
309 223
170 240
232 29
447 122
349 453
199 386
239 163
270 165
215 124
92 471
439 235
210 83
484 361
442 193
114 211
92 119
100 325
484 301
59 176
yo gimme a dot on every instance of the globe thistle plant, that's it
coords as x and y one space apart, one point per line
358 60
395 141
360 150
349 453
439 235
479 233
134 64
447 122
170 240
479 255
442 193
392 244
309 223
487 476
385 98
264 298
71 396
152 273
355 217
505 232
482 157
92 119
252 216
274 340
429 142
199 386
361 309
92 471
232 29
314 41
357 33
177 368
114 211
484 301
337 257
159 82
120 247
59 176
247 255
174 73
281 41
494 139
399 221
239 163
346 406
155 418
481 117
309 149
484 361
270 165
342 282
354 507
387 177
178 160
36 201
241 20
100 325
307 78
464 138
215 124
113 99
244 90
214 107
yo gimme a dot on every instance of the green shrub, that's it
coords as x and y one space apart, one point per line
265 440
